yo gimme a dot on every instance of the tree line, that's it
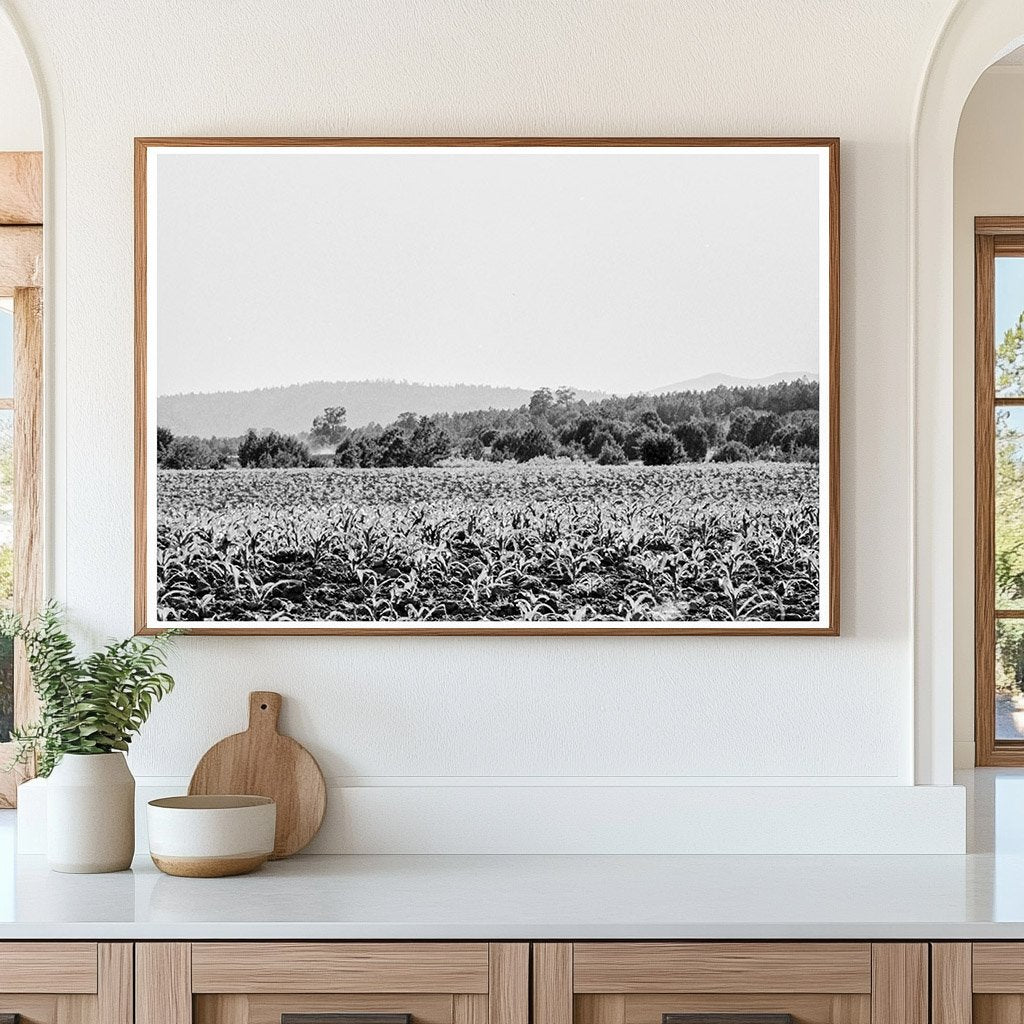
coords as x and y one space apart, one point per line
777 422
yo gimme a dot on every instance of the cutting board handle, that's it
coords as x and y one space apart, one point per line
264 710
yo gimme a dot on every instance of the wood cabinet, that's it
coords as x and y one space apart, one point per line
494 983
751 982
978 983
264 982
66 982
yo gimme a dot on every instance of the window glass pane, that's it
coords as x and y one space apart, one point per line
6 352
6 689
1009 511
1009 679
1009 326
6 561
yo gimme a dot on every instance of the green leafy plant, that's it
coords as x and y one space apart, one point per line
90 705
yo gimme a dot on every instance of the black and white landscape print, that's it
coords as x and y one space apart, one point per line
498 387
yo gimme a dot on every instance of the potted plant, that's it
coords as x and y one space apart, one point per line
90 708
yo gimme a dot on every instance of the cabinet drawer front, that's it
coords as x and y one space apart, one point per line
998 967
57 967
637 967
276 967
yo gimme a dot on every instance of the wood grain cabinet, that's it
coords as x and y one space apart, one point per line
66 982
494 983
736 982
332 983
980 982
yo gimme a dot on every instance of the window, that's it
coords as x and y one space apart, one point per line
21 269
20 500
6 510
999 490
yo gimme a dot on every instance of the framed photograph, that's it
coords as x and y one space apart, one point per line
490 386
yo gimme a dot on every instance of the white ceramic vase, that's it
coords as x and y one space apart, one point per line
90 814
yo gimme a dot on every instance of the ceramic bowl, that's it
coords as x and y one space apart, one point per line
211 836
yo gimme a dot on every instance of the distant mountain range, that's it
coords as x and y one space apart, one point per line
710 381
291 408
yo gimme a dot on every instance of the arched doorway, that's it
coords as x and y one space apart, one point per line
976 34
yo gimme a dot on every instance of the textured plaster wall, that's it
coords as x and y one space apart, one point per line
695 710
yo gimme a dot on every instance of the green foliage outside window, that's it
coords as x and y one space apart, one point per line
1009 509
6 688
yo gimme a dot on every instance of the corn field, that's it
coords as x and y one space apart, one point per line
544 542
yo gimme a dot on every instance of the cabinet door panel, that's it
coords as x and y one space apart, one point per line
810 982
978 983
32 1007
998 1009
648 1009
805 1008
593 1009
66 982
260 982
268 1009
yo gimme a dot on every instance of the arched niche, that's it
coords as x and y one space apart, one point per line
975 35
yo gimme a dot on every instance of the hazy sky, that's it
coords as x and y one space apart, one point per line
613 270
1009 294
6 353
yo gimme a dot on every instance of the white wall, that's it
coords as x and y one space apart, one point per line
466 711
987 181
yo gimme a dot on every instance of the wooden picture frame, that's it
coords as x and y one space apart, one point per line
824 623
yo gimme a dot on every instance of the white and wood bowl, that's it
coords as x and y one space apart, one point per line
211 836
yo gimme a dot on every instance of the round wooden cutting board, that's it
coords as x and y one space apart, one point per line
262 762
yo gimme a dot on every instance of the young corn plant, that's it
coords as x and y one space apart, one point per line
491 542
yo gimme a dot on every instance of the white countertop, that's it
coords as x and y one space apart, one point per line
496 897
977 896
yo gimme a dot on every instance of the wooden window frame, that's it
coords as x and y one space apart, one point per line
993 236
21 278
